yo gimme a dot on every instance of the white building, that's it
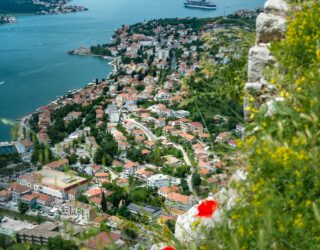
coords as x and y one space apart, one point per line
113 113
158 181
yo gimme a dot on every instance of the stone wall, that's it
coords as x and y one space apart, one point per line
271 26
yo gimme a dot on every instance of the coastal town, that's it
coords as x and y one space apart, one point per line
9 9
123 154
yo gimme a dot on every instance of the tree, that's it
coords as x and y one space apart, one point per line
59 243
82 198
171 225
184 186
196 181
130 232
103 203
22 207
72 158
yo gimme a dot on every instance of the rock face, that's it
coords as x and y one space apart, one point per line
276 7
270 28
259 58
189 227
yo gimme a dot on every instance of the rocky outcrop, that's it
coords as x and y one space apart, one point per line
259 58
189 227
271 26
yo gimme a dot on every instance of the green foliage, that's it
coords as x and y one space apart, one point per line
130 232
278 204
218 89
100 50
107 150
22 207
5 159
72 158
143 195
171 224
82 198
103 203
19 6
118 194
196 181
41 153
59 243
58 131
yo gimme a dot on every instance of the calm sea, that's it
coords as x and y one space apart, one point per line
33 59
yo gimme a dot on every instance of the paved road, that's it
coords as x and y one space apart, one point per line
186 158
147 132
114 175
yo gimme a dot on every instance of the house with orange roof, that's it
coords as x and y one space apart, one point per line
164 191
143 174
18 191
123 182
149 144
130 168
30 199
145 152
223 137
187 137
179 201
100 219
45 200
94 192
5 195
101 177
58 165
195 127
104 239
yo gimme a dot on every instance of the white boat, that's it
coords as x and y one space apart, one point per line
2 82
201 4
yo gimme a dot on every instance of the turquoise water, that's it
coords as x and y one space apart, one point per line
33 59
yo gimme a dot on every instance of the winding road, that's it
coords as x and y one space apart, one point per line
153 137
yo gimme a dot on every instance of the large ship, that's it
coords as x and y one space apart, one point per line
202 4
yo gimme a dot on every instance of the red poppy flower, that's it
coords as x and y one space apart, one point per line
207 208
168 248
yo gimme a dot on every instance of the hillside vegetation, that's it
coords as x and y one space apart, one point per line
278 205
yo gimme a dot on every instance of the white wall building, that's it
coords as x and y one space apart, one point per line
158 181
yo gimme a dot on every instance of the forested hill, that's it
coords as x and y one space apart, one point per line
22 6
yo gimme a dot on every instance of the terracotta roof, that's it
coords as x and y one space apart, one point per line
130 164
168 190
101 174
196 124
145 151
101 218
95 167
94 192
58 164
43 197
102 239
29 197
122 180
204 171
18 188
4 193
178 198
